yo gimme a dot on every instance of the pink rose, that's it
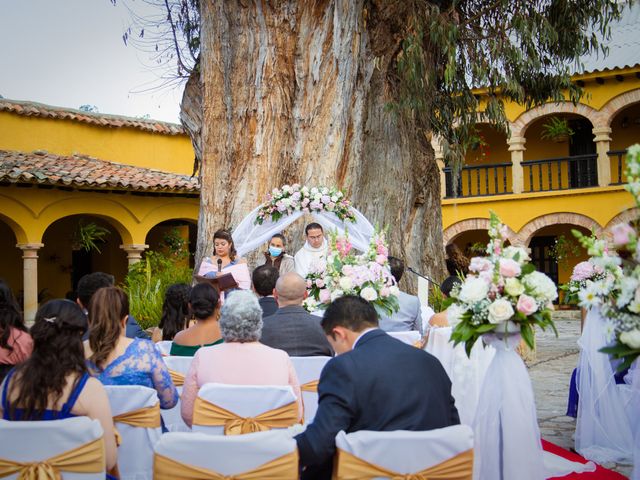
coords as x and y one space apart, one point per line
320 283
622 234
380 259
509 268
309 283
480 264
325 296
325 199
487 276
526 304
385 292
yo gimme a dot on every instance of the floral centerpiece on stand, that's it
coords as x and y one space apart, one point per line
295 198
347 272
582 272
617 293
503 293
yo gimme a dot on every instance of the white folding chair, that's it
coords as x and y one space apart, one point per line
35 442
411 337
226 455
242 401
178 368
308 371
164 347
405 452
135 453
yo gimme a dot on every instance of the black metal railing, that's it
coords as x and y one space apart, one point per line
562 173
479 180
618 165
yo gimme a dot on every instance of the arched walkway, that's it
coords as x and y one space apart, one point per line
469 224
623 217
527 232
520 125
616 104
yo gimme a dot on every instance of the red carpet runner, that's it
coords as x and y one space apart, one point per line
601 473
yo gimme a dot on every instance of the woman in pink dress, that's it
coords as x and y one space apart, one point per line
241 359
15 342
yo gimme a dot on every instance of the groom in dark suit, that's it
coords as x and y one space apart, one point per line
375 383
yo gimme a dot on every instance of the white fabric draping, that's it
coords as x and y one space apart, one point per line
603 431
634 406
506 428
248 236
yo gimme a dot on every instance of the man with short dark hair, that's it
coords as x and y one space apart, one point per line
375 383
263 280
90 284
313 252
409 315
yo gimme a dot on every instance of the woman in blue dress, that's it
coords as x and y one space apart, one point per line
53 383
115 359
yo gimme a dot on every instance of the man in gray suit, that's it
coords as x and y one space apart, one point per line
292 328
409 316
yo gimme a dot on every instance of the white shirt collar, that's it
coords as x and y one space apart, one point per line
364 332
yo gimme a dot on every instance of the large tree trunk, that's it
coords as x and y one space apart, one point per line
297 91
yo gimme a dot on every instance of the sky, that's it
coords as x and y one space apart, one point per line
69 53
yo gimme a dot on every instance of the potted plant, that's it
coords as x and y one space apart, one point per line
87 236
557 130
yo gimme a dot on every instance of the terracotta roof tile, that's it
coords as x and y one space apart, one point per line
33 109
82 171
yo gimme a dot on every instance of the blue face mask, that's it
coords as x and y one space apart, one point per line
274 251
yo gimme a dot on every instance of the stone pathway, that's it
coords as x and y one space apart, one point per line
550 374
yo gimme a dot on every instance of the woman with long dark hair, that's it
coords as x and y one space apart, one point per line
117 360
175 312
15 342
53 383
225 260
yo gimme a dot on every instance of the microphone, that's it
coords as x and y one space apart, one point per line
427 278
219 265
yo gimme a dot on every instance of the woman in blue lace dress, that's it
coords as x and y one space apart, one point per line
117 360
53 383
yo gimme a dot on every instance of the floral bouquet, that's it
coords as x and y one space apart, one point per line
503 294
294 198
582 272
348 273
617 293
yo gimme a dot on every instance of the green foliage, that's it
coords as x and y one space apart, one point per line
556 127
436 299
147 282
563 249
88 235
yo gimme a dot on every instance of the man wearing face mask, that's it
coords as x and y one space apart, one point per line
276 257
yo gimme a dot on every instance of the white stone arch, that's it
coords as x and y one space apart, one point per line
458 228
625 216
616 104
520 125
528 231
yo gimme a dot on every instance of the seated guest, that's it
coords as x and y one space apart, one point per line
374 383
175 312
440 319
115 359
204 304
292 328
89 284
15 342
225 260
409 315
313 252
53 383
275 256
264 280
241 359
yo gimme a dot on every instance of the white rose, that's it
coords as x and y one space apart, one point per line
325 190
631 338
473 290
369 294
519 252
500 311
346 283
394 290
513 287
336 294
454 314
314 190
286 189
542 287
305 190
334 198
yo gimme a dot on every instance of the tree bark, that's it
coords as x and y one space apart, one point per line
298 91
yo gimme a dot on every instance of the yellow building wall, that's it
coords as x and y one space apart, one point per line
171 153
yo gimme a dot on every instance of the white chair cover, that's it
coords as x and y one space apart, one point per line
466 374
407 452
243 400
164 347
308 370
34 441
603 429
248 236
411 337
172 418
135 454
227 455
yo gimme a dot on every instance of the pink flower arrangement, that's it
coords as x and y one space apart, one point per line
622 234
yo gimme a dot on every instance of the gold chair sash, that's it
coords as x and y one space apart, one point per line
207 414
87 458
350 467
145 417
177 377
311 386
281 468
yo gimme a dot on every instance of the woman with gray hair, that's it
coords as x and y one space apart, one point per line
241 359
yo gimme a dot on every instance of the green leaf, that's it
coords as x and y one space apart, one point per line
528 268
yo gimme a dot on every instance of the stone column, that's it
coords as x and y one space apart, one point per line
439 154
517 148
134 252
602 139
30 279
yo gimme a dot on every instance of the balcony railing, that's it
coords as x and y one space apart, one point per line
480 180
618 165
562 173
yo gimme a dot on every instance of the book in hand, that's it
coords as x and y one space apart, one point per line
222 283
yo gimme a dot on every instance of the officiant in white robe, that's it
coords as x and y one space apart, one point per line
314 250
